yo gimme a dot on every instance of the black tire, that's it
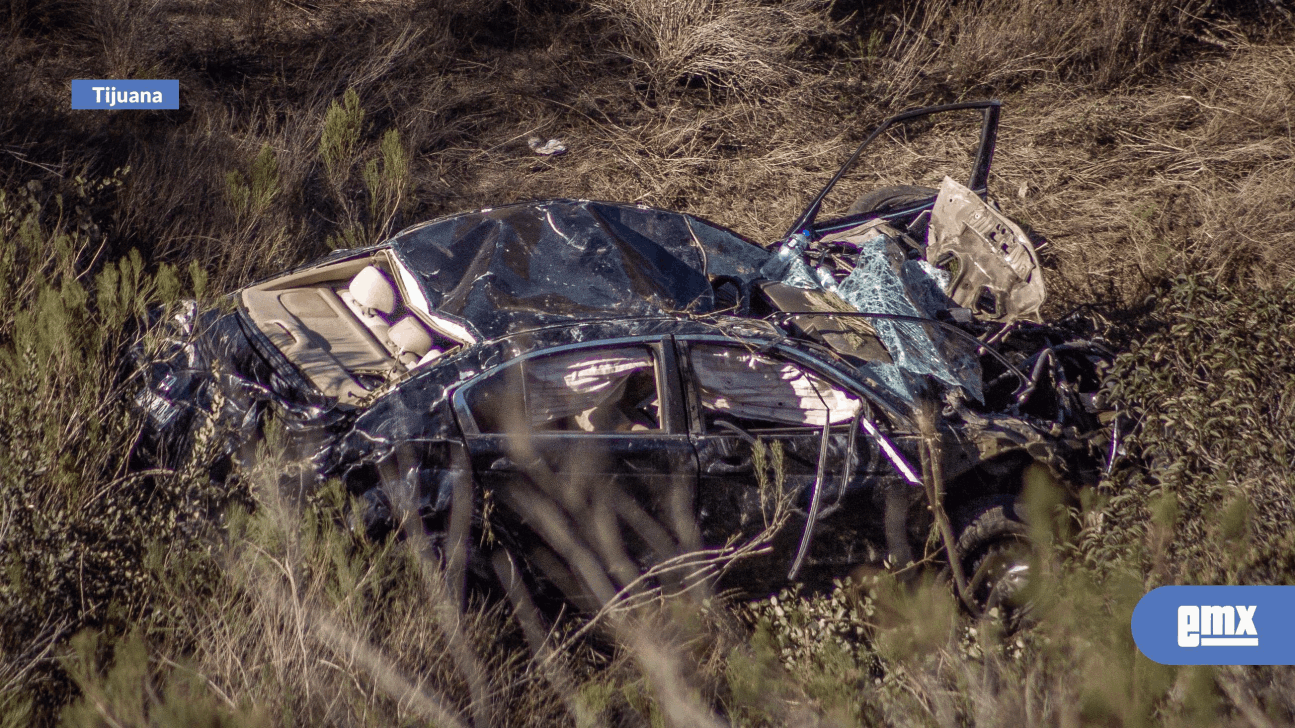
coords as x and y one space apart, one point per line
996 554
889 199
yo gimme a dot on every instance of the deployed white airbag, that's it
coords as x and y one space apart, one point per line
582 386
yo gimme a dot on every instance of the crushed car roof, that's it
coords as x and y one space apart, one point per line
508 269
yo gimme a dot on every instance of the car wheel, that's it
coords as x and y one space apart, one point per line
996 555
889 199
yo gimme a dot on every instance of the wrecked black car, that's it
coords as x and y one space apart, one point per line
594 398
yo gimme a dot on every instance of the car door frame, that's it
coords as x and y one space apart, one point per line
673 453
877 469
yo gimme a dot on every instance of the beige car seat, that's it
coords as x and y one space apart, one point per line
337 330
409 341
373 292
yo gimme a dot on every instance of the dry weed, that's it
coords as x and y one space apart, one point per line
1183 176
317 627
999 43
735 45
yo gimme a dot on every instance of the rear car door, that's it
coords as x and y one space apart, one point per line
738 396
583 455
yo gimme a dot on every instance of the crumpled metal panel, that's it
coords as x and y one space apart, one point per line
997 273
508 269
416 416
209 368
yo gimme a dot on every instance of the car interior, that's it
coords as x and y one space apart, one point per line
351 326
757 392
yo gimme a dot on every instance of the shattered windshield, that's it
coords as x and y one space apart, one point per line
886 282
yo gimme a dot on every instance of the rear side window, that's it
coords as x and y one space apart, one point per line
597 390
756 391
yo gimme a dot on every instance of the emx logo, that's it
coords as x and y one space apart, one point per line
1171 625
1217 626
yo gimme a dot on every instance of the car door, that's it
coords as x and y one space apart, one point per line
584 455
741 399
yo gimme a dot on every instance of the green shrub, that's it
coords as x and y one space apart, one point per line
1206 494
81 524
385 176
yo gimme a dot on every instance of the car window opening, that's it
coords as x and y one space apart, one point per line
593 392
756 391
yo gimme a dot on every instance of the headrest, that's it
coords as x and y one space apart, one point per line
373 290
409 335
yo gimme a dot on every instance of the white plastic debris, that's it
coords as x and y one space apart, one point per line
550 148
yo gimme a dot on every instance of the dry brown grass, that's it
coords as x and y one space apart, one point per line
316 627
733 45
1001 43
1185 175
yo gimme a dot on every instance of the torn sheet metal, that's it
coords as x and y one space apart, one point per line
518 267
208 375
994 269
